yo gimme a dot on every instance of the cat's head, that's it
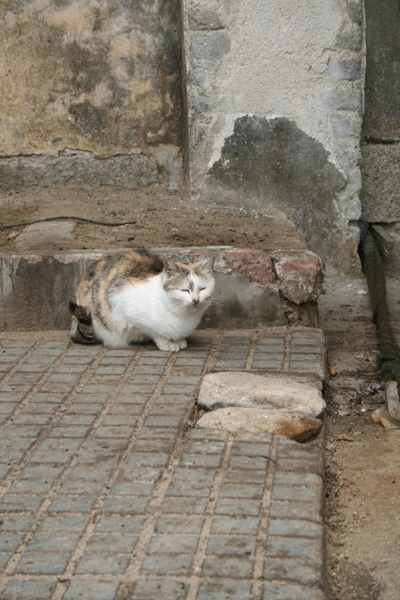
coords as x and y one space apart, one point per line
191 285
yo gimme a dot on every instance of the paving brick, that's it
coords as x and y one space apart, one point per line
4 559
238 476
132 473
148 458
163 421
295 493
66 503
287 547
215 590
84 409
170 407
196 506
19 502
291 592
87 472
227 566
235 490
22 430
292 569
241 506
132 488
167 565
235 525
119 524
70 368
29 589
43 563
69 431
113 431
53 542
65 523
193 475
189 488
199 460
31 486
307 479
10 522
127 398
205 446
243 545
103 564
179 524
127 505
10 541
295 527
4 469
10 455
91 590
310 511
117 543
161 588
173 544
120 414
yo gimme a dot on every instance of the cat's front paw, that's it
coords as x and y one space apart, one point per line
170 345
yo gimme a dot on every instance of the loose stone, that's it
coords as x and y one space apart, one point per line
257 420
247 390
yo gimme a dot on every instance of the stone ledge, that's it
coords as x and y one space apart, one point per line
253 288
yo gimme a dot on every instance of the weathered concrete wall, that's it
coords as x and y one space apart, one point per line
93 93
275 111
381 126
253 288
90 93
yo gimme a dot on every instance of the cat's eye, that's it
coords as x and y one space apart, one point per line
202 289
188 291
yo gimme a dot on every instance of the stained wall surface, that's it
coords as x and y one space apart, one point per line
263 99
275 101
90 91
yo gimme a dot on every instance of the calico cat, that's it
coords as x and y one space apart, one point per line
135 296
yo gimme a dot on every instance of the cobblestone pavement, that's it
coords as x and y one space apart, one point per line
109 493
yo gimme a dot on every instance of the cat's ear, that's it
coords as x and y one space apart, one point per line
208 265
170 268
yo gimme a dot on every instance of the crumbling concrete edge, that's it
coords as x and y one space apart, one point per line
254 288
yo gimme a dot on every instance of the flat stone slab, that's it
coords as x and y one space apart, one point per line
56 231
108 493
258 420
247 390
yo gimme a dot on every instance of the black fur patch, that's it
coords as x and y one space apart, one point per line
84 333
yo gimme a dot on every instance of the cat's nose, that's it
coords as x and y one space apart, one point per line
195 301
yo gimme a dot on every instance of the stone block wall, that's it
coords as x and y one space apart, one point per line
381 126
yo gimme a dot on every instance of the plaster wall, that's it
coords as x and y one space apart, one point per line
85 80
275 100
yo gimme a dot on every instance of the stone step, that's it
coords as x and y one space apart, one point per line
254 288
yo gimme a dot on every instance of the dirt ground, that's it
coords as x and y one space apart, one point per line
163 219
362 458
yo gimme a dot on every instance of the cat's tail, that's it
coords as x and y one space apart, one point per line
82 330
